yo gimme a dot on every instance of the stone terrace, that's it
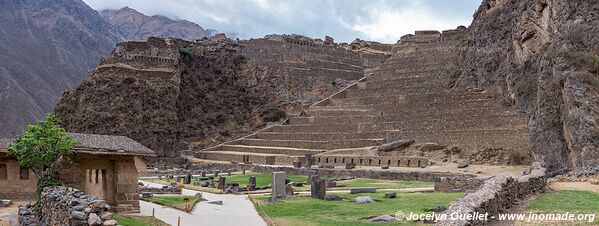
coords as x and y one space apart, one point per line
408 97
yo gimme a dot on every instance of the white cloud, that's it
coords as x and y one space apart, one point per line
379 20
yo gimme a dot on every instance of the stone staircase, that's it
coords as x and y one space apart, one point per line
408 97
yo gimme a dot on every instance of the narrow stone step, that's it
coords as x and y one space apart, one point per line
327 120
257 158
339 128
323 136
310 144
328 111
268 150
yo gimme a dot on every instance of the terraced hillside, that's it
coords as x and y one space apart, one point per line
408 97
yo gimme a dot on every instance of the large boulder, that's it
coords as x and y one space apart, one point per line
364 199
396 145
362 190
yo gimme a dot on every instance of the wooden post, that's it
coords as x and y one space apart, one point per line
186 201
179 221
153 212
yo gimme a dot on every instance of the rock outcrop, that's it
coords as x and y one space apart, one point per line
542 57
134 25
171 94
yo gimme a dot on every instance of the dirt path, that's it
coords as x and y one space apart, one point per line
9 215
236 210
580 186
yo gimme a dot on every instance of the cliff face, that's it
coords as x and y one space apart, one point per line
45 48
542 57
171 94
137 26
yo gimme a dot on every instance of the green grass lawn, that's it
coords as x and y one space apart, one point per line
138 221
363 182
261 178
567 200
307 211
175 201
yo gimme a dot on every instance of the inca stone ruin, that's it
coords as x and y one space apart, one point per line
496 116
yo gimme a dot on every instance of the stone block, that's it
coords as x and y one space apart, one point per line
252 183
390 195
126 188
278 184
318 189
221 183
362 190
331 184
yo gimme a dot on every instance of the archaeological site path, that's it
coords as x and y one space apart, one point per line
236 210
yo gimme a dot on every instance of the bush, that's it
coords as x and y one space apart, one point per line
584 60
273 114
239 59
454 75
188 51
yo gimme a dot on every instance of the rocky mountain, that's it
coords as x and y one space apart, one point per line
137 26
46 47
542 56
171 94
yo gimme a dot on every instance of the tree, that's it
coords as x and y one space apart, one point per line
43 148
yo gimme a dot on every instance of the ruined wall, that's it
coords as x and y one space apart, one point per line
542 57
297 69
496 195
62 206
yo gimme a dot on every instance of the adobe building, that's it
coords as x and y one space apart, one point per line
103 166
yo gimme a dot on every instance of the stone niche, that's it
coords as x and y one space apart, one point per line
114 178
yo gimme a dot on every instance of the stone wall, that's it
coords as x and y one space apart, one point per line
393 161
65 206
361 173
496 195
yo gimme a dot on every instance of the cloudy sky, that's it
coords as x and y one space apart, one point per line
344 20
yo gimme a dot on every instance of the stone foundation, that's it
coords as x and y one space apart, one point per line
65 206
496 195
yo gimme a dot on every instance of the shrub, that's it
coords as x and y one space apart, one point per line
273 114
454 75
239 58
188 51
584 60
129 80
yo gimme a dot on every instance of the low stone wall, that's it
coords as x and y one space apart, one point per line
457 184
393 161
196 168
65 206
495 196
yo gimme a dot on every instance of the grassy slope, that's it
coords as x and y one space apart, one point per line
568 200
175 201
307 211
138 221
